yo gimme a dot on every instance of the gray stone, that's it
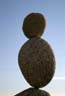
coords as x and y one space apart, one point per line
37 62
34 25
33 92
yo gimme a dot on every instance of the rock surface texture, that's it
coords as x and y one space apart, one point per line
37 62
33 92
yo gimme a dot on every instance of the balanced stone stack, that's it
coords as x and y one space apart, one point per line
36 58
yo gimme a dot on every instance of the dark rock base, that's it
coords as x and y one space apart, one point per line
33 92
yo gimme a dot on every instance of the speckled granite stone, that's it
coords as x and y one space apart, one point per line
37 62
33 92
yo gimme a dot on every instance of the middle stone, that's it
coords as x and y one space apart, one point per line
37 62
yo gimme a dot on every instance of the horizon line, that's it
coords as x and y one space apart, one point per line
59 78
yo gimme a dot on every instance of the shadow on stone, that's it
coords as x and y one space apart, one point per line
33 92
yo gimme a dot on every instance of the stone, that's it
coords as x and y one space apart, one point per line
34 25
33 92
37 62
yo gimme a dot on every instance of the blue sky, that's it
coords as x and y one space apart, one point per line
12 13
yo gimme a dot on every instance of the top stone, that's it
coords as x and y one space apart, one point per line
34 25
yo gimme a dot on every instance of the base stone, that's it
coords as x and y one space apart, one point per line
33 92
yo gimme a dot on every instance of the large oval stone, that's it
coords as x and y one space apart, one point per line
37 62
